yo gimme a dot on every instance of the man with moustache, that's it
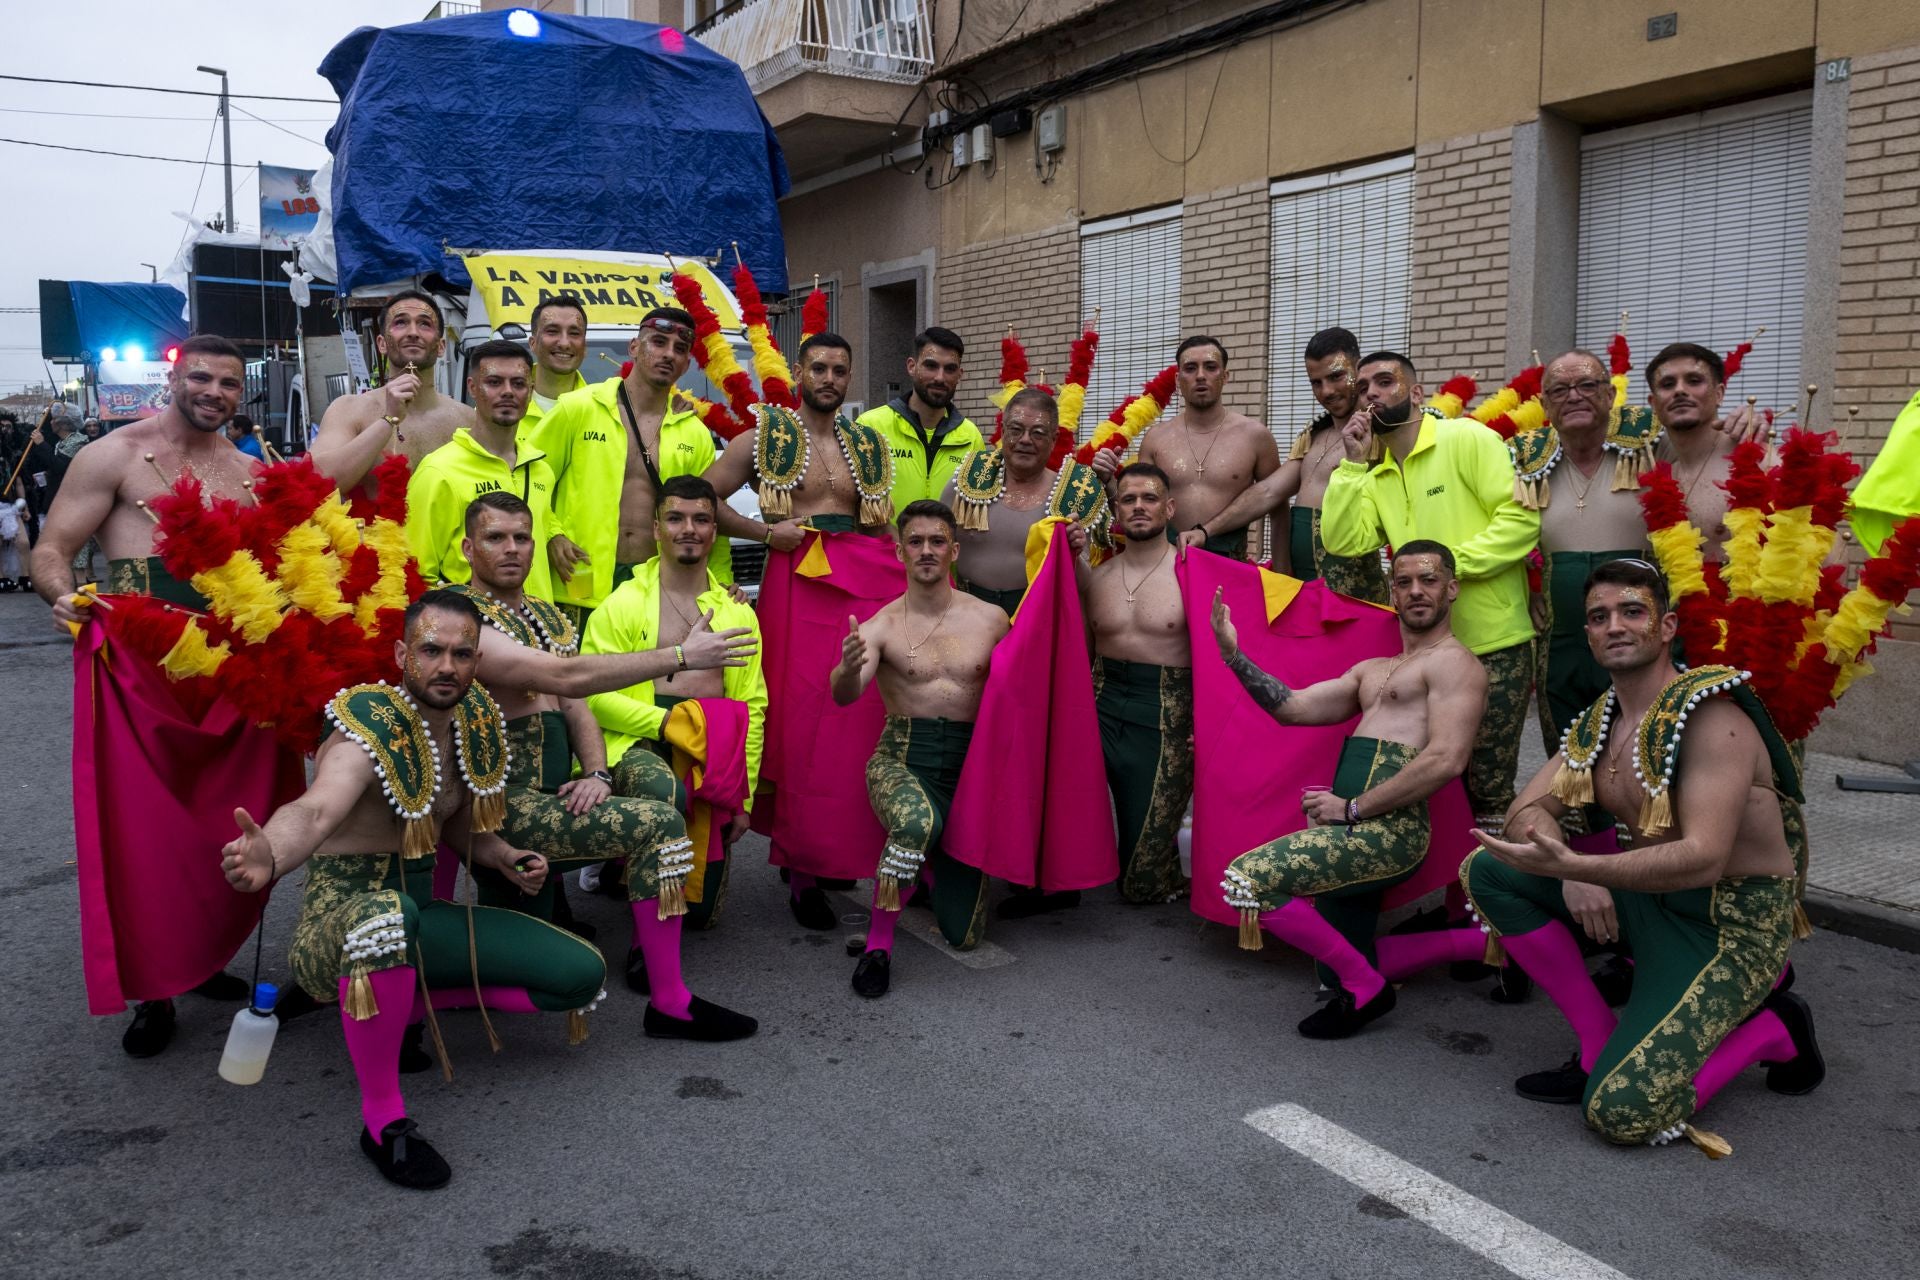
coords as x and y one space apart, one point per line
558 337
1452 482
815 468
1143 686
1685 385
930 650
491 456
528 655
926 435
406 414
1332 358
1418 712
1212 454
999 494
104 496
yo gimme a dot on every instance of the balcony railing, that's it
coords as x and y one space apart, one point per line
776 40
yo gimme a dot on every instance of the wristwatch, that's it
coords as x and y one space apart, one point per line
601 775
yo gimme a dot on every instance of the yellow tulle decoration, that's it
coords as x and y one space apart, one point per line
768 363
1857 619
333 519
1505 400
720 363
1073 401
1447 405
311 574
240 591
191 655
1789 566
1743 548
389 590
1530 415
1619 381
1677 548
1007 391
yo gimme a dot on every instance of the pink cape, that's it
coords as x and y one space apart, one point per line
1032 805
815 752
720 780
1248 770
157 774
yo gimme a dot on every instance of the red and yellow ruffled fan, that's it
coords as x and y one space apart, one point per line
305 595
714 354
1072 397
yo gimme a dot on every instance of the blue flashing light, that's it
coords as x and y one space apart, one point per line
108 355
133 353
521 22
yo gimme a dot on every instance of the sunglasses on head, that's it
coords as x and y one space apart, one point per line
666 326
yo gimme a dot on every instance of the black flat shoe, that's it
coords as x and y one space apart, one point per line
637 972
873 974
828 882
414 1057
151 1030
813 911
1470 971
1339 1018
1024 905
294 1002
1563 1085
1614 980
224 986
1513 985
1807 1068
613 880
405 1159
704 1021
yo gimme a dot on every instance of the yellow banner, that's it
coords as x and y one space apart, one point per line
616 293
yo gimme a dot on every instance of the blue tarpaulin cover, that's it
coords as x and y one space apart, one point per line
113 315
581 133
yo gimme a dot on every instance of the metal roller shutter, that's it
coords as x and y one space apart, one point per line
1130 269
1342 255
1697 226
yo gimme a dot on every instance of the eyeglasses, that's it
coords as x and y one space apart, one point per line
666 326
1586 389
1015 431
1638 564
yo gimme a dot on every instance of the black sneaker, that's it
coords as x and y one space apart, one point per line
704 1021
405 1159
873 974
224 986
813 911
1614 980
1804 1072
1513 985
151 1030
637 972
414 1057
1338 1018
1563 1085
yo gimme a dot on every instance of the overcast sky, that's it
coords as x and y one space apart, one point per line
83 217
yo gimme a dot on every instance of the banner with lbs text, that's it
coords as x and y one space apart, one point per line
616 293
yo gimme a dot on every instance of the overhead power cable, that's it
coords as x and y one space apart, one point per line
154 88
95 151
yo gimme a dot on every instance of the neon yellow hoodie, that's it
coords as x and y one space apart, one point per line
921 468
628 621
1456 487
586 441
536 412
454 475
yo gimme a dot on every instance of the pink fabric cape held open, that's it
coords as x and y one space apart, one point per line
156 778
1249 770
1032 805
720 780
814 751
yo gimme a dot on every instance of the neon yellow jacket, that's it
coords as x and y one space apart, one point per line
628 621
531 423
586 441
921 469
1456 487
454 475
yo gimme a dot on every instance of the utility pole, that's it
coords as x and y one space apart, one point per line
153 272
226 135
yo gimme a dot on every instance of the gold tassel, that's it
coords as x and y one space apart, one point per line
673 898
876 509
1250 939
886 893
416 838
1496 954
1301 444
1716 1147
1573 787
1520 492
777 503
1621 473
973 515
1656 815
576 1028
1545 492
489 813
360 1002
1802 927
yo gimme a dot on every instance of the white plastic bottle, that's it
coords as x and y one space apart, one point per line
251 1038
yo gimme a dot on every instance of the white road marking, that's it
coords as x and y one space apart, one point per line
1467 1220
920 925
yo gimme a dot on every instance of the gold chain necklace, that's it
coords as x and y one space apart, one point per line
1581 496
913 650
1200 463
1143 577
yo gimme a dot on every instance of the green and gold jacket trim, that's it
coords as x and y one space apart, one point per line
382 720
535 624
1631 438
1077 494
780 455
1303 443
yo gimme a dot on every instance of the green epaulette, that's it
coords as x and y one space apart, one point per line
1632 435
1535 454
780 455
384 722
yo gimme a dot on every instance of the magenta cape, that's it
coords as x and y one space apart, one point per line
815 752
717 776
157 774
1032 804
1249 771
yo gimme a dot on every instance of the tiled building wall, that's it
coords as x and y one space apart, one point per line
1031 282
1460 204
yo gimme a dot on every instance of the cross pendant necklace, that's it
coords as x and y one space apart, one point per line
913 650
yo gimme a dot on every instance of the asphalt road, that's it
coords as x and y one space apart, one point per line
1077 1111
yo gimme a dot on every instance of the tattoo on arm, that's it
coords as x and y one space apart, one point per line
1267 692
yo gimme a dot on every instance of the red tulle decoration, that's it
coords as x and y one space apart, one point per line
1661 501
1619 358
284 495
753 308
1080 359
191 537
1895 572
391 476
1796 480
1505 426
1736 358
1013 360
1062 448
1462 388
626 367
1526 383
813 312
149 625
1833 585
1746 483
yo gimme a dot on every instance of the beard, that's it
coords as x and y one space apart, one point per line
1421 626
1394 415
427 696
934 396
823 399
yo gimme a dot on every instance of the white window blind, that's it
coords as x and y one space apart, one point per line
1342 255
1130 269
1698 228
783 317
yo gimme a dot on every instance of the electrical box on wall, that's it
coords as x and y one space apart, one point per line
962 155
1052 126
982 144
1007 124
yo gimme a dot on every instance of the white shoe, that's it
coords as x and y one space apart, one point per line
590 878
